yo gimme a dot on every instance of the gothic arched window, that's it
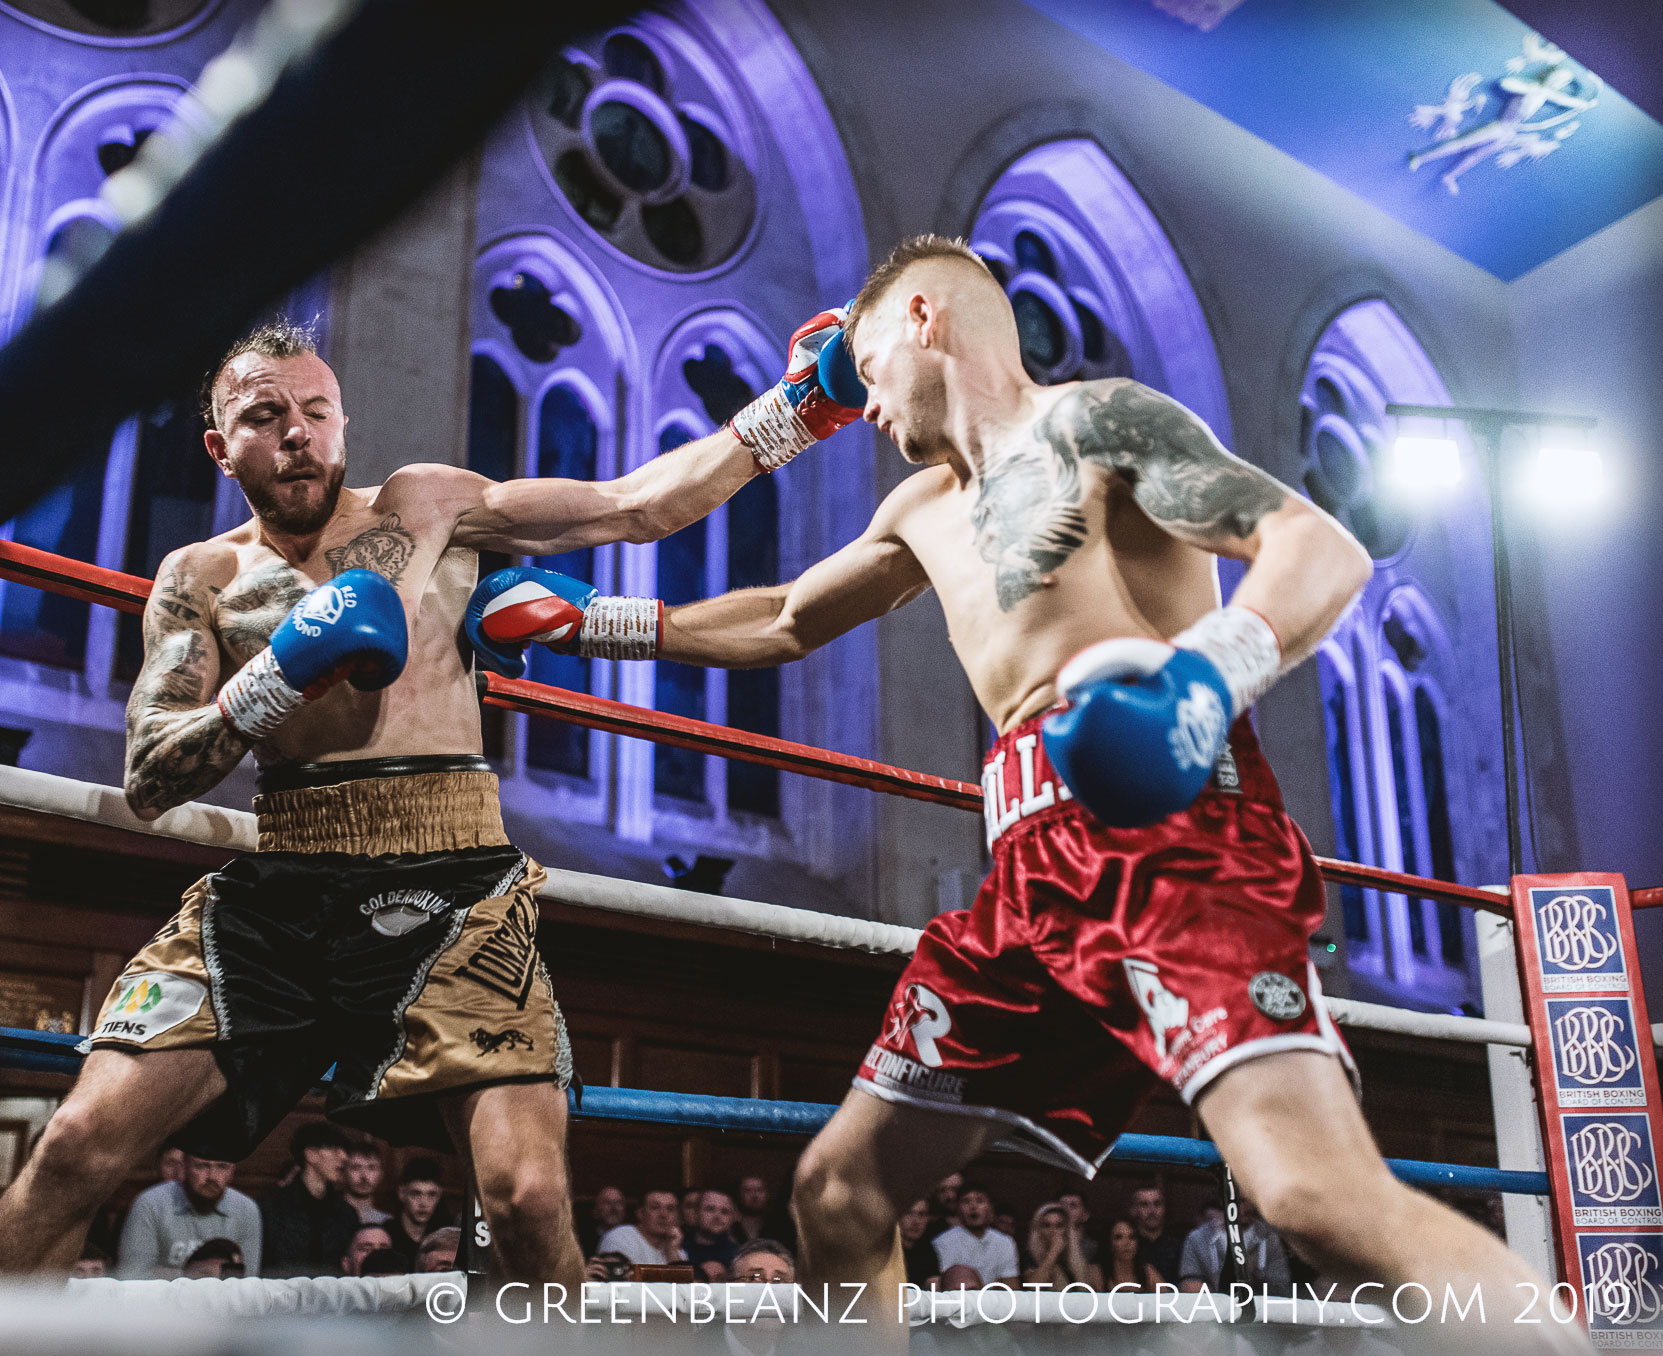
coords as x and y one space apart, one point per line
1096 286
1392 668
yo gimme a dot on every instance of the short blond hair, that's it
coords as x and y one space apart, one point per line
913 250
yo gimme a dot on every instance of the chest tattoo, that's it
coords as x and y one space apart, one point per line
249 610
385 548
1029 516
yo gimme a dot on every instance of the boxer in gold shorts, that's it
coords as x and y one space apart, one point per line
385 925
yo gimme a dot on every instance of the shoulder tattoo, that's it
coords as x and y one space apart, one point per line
1180 474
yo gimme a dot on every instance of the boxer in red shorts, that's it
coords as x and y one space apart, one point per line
1150 904
1098 961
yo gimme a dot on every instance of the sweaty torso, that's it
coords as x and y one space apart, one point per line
404 536
1044 553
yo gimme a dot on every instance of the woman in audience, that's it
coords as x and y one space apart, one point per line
1126 1266
1054 1248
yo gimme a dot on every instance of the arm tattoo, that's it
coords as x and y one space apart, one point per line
385 548
1180 475
1030 511
177 744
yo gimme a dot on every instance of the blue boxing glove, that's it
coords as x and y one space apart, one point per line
1147 720
513 607
351 629
802 409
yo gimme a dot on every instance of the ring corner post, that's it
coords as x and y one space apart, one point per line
1601 1113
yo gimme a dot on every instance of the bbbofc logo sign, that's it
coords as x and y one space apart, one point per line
1577 940
1613 1169
1596 1058
1622 1277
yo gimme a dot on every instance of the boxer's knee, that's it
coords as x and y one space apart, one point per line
835 1197
527 1198
82 1154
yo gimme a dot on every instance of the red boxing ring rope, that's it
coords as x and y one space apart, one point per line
127 593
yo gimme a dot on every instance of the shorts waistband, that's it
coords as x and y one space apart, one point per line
1019 783
296 776
445 811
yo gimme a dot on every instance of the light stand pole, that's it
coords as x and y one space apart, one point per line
1487 427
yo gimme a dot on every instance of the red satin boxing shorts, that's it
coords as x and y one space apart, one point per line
1096 961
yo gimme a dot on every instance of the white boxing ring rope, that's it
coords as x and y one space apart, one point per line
233 830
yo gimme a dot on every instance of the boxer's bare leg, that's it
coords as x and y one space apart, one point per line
1292 1132
121 1109
513 1135
873 1159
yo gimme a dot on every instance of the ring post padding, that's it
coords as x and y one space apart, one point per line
1602 1118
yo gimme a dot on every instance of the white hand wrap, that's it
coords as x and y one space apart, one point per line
771 427
258 698
621 628
1242 646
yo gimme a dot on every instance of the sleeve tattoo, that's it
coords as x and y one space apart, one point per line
1179 473
177 744
1030 513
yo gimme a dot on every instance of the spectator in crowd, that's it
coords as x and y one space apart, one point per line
219 1259
609 1211
368 1238
960 1277
753 1206
975 1243
1202 1263
364 1167
93 1263
1126 1264
944 1204
308 1223
1004 1220
170 1167
761 1261
419 1194
608 1266
710 1247
1054 1247
169 1221
1160 1249
690 1198
1079 1217
654 1240
438 1250
385 1262
917 1253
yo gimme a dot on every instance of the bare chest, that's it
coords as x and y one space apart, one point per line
266 587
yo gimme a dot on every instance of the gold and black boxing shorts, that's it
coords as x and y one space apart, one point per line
385 927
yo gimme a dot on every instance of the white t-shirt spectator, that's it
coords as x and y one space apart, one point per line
162 1231
630 1241
992 1256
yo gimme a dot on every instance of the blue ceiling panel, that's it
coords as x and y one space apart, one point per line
1555 154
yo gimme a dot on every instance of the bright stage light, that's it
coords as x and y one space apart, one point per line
1421 464
1567 476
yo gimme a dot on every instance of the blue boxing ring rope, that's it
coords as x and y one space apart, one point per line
51 1052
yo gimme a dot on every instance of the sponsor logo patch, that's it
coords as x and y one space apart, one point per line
506 961
1164 1009
888 1069
1277 996
400 911
921 1014
149 1004
489 1042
